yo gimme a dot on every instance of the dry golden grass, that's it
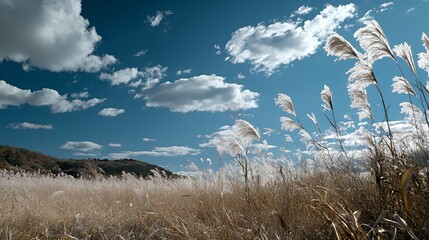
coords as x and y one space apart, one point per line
46 207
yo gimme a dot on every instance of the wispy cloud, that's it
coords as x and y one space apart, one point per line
366 17
217 49
369 15
33 34
111 112
83 94
201 93
14 96
184 71
152 76
410 10
141 53
27 125
241 76
172 151
148 140
116 145
158 17
83 146
281 43
147 78
269 131
385 6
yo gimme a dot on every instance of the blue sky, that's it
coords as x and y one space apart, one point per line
153 80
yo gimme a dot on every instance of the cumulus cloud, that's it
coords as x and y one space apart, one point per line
201 93
115 145
14 96
172 151
83 146
27 125
111 112
49 35
123 76
280 43
158 17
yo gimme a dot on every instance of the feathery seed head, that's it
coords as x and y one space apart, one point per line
402 86
425 40
285 102
337 46
403 51
247 130
359 100
423 61
373 40
289 124
410 109
362 75
313 118
326 96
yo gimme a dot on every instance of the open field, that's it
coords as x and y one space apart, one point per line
44 207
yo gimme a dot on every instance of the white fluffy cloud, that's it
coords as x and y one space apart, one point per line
111 112
83 146
280 43
201 93
14 96
172 151
49 34
123 76
27 125
158 17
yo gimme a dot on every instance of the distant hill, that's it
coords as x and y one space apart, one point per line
20 159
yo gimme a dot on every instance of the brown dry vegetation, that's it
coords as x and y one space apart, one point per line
46 207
